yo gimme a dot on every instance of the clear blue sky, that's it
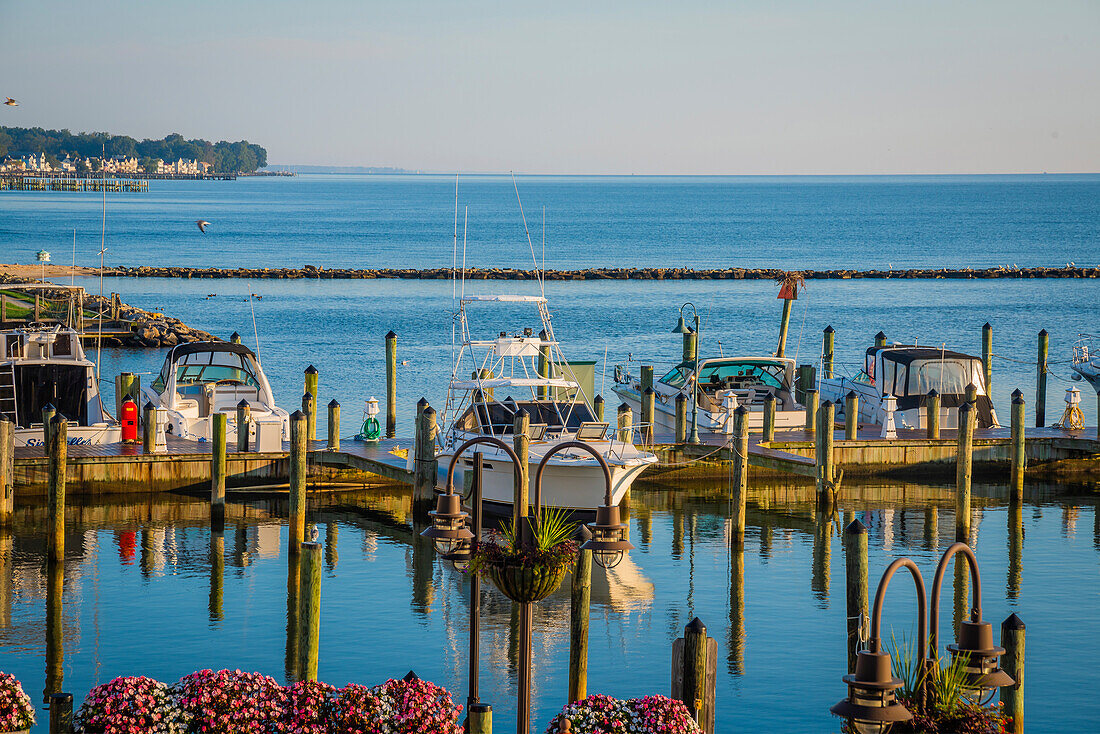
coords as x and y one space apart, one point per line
761 87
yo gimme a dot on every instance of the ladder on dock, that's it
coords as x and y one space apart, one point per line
7 393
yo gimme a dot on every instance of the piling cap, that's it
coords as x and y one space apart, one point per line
1017 396
1043 332
542 334
770 397
234 336
965 408
297 416
410 677
48 407
333 404
695 626
242 404
851 394
149 405
522 413
59 418
422 403
880 335
128 399
311 370
987 325
307 396
933 393
1012 623
429 413
829 329
390 335
480 708
855 527
598 399
827 404
740 410
648 391
681 398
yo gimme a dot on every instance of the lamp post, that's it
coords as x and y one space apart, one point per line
682 328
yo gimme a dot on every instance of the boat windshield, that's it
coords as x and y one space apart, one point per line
677 377
206 367
741 375
946 377
498 418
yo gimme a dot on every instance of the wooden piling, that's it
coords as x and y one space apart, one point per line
855 583
309 613
244 417
61 713
521 442
1013 634
579 603
987 357
309 410
598 406
1041 381
544 366
695 669
784 323
48 413
123 387
646 379
971 393
932 414
312 378
769 417
425 463
37 307
681 418
217 467
649 401
625 423
7 471
149 428
58 462
333 425
234 338
297 480
827 351
851 415
391 385
481 718
823 453
740 475
963 469
811 411
1019 444
880 340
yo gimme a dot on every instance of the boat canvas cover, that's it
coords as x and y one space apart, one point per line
910 373
63 386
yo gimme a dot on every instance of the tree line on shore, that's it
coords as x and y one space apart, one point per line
86 149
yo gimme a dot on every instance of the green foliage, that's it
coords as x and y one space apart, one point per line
907 665
553 528
946 685
226 157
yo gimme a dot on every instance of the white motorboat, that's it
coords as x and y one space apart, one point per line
724 384
43 366
908 373
505 379
200 379
1086 361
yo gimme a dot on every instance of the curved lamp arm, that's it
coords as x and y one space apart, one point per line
880 595
558 449
937 582
493 441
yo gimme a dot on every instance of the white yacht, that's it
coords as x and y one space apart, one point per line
43 366
504 379
724 384
1086 361
909 373
200 379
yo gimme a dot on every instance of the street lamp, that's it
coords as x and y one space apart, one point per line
683 328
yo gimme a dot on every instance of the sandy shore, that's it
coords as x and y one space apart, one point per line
53 270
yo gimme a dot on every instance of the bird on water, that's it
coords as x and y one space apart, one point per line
11 102
203 224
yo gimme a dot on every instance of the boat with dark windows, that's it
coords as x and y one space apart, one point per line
43 366
201 379
908 373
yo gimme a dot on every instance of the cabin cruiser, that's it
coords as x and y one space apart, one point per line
200 379
724 384
908 373
1086 362
524 371
43 366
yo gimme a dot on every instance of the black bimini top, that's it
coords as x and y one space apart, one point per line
908 355
182 350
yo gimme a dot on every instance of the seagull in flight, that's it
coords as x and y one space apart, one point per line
203 224
11 102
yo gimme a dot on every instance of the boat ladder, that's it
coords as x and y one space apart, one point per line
7 392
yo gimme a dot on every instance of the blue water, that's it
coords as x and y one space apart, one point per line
389 606
408 221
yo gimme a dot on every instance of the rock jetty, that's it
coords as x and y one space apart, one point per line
311 271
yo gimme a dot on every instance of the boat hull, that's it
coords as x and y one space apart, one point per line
78 435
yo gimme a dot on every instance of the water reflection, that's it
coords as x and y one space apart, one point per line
55 629
737 612
1015 549
822 556
217 573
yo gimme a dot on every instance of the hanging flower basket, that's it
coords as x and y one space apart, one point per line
527 584
528 572
16 712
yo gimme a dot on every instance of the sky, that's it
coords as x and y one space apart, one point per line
582 87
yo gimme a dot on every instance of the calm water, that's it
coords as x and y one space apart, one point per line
149 590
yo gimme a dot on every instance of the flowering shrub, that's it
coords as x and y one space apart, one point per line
395 707
230 702
307 708
130 704
16 712
600 714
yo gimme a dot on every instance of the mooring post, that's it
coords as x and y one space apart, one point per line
972 393
625 423
769 417
391 384
244 416
309 613
811 411
963 468
333 425
58 461
61 713
309 410
681 418
1041 381
823 454
695 690
855 582
7 471
521 443
827 351
1019 444
481 718
123 387
880 340
217 467
297 479
851 415
987 357
544 364
424 462
48 413
311 383
1013 633
740 475
597 406
579 604
932 414
784 323
649 404
234 338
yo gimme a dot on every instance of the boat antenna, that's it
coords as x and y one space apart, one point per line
542 273
454 283
102 249
465 223
255 332
526 231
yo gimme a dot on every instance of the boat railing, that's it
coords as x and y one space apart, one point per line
1082 351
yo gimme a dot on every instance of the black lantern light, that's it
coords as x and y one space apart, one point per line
983 676
448 531
872 705
608 544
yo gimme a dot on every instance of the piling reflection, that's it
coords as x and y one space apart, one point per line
961 607
736 661
423 570
332 555
293 587
217 572
55 634
645 528
822 552
6 573
931 528
1015 549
